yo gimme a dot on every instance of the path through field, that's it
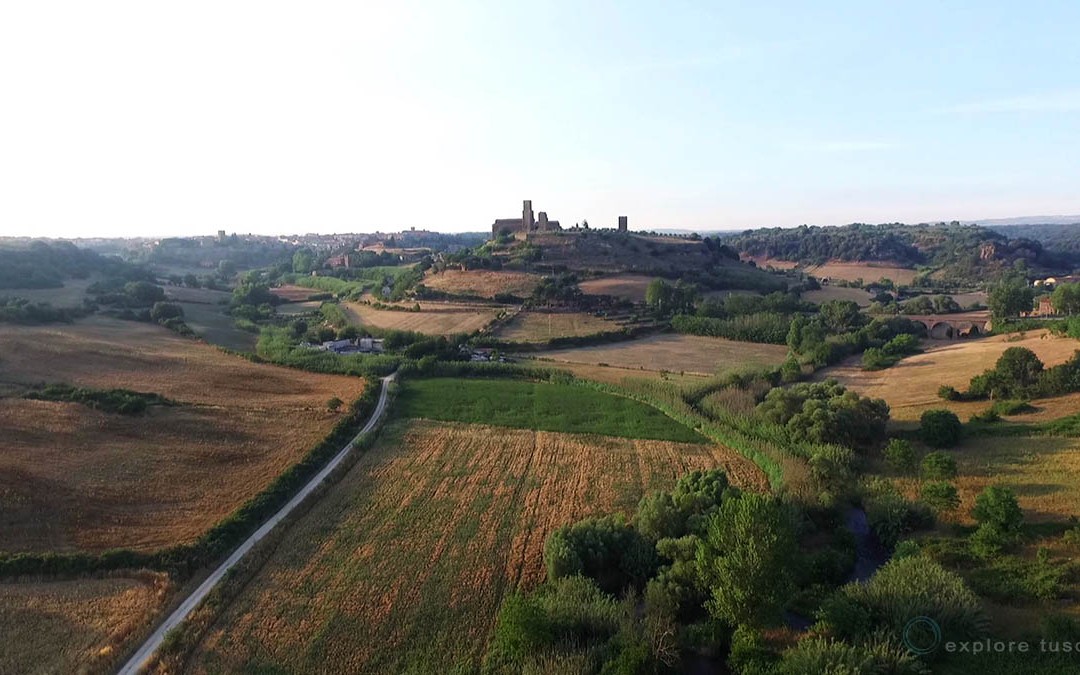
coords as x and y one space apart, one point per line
152 643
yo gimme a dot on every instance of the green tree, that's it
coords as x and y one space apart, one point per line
659 295
1066 298
1019 368
997 506
334 404
1009 297
163 311
303 261
940 428
841 316
745 560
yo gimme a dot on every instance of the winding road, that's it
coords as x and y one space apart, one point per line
135 664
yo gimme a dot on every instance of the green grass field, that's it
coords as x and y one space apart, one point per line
540 406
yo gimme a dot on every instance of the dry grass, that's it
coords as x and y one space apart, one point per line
911 386
827 293
72 478
482 283
543 326
74 626
402 566
627 286
1043 471
434 318
675 353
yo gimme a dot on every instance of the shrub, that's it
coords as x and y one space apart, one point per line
938 466
997 506
900 455
904 588
893 517
940 428
949 393
1011 407
685 509
940 496
606 549
824 655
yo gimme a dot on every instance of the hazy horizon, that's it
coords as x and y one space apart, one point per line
132 119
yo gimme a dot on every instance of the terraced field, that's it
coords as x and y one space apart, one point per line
434 318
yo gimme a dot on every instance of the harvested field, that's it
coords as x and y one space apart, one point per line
434 318
294 308
675 353
403 565
827 293
543 326
73 478
627 286
482 283
851 271
911 386
293 293
74 626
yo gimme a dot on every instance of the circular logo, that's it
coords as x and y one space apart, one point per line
922 635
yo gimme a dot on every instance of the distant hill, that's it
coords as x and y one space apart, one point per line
1057 237
947 251
1026 220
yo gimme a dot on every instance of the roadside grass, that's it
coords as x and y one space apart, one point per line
76 625
540 406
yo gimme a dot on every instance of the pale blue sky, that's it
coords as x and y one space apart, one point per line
144 118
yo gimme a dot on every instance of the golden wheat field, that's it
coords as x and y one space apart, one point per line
910 387
434 318
675 353
543 326
74 626
482 283
74 478
626 286
403 565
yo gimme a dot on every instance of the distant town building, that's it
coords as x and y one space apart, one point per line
623 222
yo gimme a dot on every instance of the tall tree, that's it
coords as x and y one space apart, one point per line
1009 297
745 559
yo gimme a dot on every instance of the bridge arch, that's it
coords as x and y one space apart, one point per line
942 330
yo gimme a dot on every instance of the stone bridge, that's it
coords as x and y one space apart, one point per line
954 326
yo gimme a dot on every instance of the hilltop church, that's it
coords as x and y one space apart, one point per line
521 227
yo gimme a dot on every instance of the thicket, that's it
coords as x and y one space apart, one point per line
120 401
23 311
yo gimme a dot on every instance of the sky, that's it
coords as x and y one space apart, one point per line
152 118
